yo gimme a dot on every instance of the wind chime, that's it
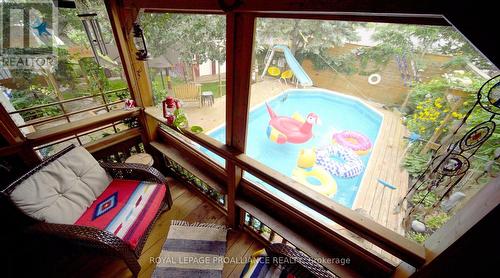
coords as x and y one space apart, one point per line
451 161
92 29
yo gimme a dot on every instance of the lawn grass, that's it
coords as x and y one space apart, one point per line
211 86
116 84
214 88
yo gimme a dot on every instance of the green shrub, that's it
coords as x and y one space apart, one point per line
427 201
416 163
33 96
435 222
95 75
417 237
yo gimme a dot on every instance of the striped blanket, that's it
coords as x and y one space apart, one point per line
125 208
192 250
260 266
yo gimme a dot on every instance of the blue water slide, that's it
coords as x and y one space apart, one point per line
295 66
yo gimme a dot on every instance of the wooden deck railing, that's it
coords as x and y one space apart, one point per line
106 104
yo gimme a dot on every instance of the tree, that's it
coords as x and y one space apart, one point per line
308 39
302 35
417 40
196 38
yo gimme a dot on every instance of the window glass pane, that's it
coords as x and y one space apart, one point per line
71 67
188 63
87 137
356 110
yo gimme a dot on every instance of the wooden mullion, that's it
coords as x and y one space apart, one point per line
122 18
383 8
239 60
13 135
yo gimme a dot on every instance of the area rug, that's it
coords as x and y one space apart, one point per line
192 250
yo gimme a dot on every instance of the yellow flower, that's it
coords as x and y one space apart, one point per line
436 129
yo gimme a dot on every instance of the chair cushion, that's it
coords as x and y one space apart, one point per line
62 190
125 208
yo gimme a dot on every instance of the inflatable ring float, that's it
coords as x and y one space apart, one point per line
329 157
317 179
354 141
374 79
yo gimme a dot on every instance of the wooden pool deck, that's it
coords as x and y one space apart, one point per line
375 199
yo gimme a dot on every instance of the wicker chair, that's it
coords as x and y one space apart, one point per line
296 262
96 240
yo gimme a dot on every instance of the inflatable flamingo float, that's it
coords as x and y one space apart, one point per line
284 129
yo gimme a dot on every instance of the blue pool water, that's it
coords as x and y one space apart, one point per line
336 112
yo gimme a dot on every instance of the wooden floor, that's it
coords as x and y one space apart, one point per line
190 207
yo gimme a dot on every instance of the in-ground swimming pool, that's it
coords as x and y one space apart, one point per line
337 112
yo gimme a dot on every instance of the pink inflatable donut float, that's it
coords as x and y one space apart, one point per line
355 141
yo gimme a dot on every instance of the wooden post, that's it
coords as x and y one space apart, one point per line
13 136
162 81
169 79
405 102
220 79
239 65
136 71
455 106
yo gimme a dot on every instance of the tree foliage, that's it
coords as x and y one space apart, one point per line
302 35
200 37
414 41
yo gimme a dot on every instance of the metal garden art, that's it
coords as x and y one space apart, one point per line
452 160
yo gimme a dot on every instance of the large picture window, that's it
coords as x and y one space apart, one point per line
87 79
337 105
187 64
353 110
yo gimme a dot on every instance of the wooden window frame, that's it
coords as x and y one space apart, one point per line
241 20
